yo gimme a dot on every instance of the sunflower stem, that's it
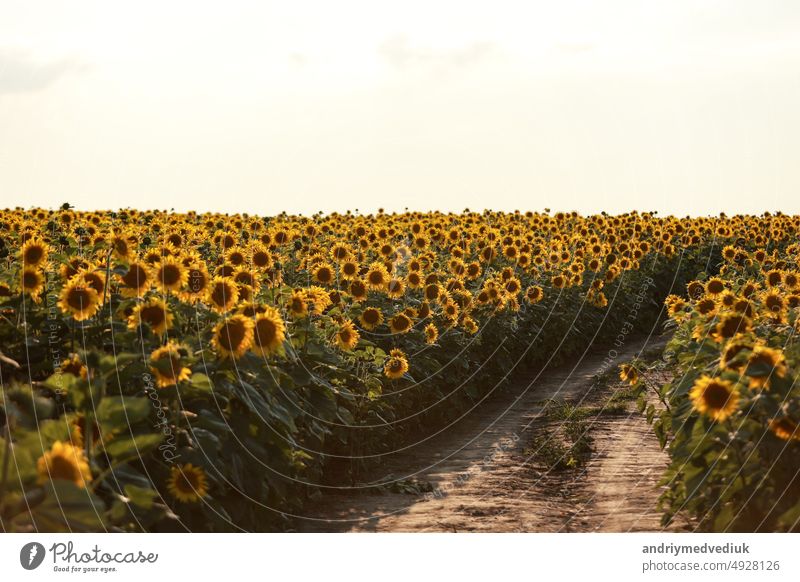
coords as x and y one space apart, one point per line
6 455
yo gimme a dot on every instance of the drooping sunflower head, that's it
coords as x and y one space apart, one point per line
187 483
232 337
66 462
269 332
716 398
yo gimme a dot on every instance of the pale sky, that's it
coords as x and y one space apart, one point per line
685 107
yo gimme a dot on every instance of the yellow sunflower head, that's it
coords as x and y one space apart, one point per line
232 337
65 462
187 483
714 397
168 364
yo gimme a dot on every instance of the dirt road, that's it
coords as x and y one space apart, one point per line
483 474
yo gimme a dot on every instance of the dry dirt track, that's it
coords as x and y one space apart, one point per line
482 478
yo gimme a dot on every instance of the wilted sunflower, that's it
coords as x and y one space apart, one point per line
136 281
371 318
396 366
64 462
222 294
187 483
763 364
168 365
629 374
232 337
154 313
79 299
347 336
714 397
269 332
34 253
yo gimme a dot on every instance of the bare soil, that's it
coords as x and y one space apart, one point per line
487 473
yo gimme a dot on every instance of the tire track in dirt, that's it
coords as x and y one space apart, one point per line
482 480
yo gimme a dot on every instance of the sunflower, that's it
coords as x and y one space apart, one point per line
431 334
715 286
396 366
32 282
170 274
534 294
470 325
168 365
269 332
349 270
232 337
323 273
65 462
297 305
154 313
34 253
400 323
371 318
377 277
347 337
222 294
78 299
198 281
187 483
395 288
730 325
73 365
714 397
629 374
784 428
136 281
762 364
358 290
731 352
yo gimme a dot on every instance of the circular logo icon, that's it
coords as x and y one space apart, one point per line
31 555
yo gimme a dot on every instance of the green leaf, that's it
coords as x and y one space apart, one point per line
115 413
123 449
67 507
143 497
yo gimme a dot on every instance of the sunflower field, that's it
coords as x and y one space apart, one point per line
203 372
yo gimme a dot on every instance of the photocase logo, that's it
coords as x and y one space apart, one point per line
31 555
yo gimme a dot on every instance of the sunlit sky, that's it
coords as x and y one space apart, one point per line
684 107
